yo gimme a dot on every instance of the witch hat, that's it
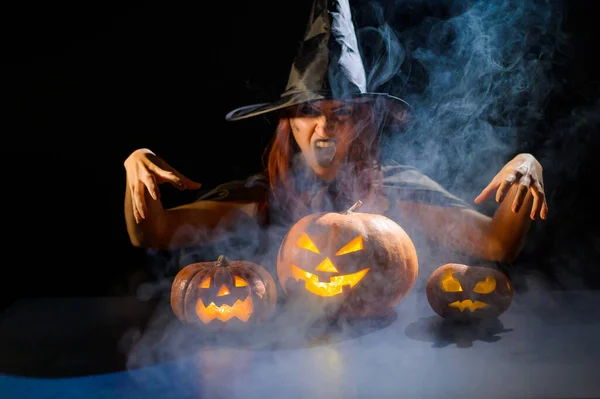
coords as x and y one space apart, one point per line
328 65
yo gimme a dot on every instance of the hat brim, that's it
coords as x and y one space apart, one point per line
289 100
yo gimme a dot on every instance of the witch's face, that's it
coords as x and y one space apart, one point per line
323 130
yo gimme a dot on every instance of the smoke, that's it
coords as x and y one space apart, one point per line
569 253
478 75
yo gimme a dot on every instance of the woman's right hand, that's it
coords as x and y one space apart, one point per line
145 171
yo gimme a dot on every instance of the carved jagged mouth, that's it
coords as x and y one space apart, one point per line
240 309
467 304
325 152
335 286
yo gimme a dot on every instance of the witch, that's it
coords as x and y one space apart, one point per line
325 155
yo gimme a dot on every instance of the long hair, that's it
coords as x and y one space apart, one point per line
360 176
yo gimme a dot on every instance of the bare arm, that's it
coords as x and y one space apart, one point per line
520 193
149 225
467 231
187 225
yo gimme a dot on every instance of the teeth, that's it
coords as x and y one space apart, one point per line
325 144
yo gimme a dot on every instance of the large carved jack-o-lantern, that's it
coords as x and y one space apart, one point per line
359 264
463 292
223 294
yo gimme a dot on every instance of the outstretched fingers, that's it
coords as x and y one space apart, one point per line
528 178
522 190
139 203
150 182
488 191
505 186
540 205
175 178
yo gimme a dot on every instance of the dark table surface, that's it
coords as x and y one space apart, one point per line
547 345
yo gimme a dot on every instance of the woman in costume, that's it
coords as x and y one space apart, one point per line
325 156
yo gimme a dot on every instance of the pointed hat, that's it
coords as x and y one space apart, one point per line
328 65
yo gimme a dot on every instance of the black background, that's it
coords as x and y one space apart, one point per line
86 83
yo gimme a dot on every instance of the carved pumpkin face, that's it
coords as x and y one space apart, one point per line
357 263
223 293
224 297
468 292
337 282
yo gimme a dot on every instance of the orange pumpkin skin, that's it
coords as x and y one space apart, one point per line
462 292
242 294
321 251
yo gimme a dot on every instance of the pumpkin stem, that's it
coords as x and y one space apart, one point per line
353 207
222 261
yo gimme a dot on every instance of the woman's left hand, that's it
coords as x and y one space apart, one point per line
525 171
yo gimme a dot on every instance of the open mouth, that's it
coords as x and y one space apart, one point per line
467 304
335 286
325 152
240 309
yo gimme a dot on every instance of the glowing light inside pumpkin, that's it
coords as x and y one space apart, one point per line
485 287
205 283
333 287
305 242
449 283
336 283
327 266
240 282
467 304
352 246
240 309
223 291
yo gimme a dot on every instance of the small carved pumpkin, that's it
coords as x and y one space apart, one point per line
223 294
359 264
464 292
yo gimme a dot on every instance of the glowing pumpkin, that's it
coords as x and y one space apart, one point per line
223 294
468 292
359 264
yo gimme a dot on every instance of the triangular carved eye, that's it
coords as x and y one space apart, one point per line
352 246
205 283
240 282
305 242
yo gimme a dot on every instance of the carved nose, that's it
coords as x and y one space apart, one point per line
223 291
326 266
